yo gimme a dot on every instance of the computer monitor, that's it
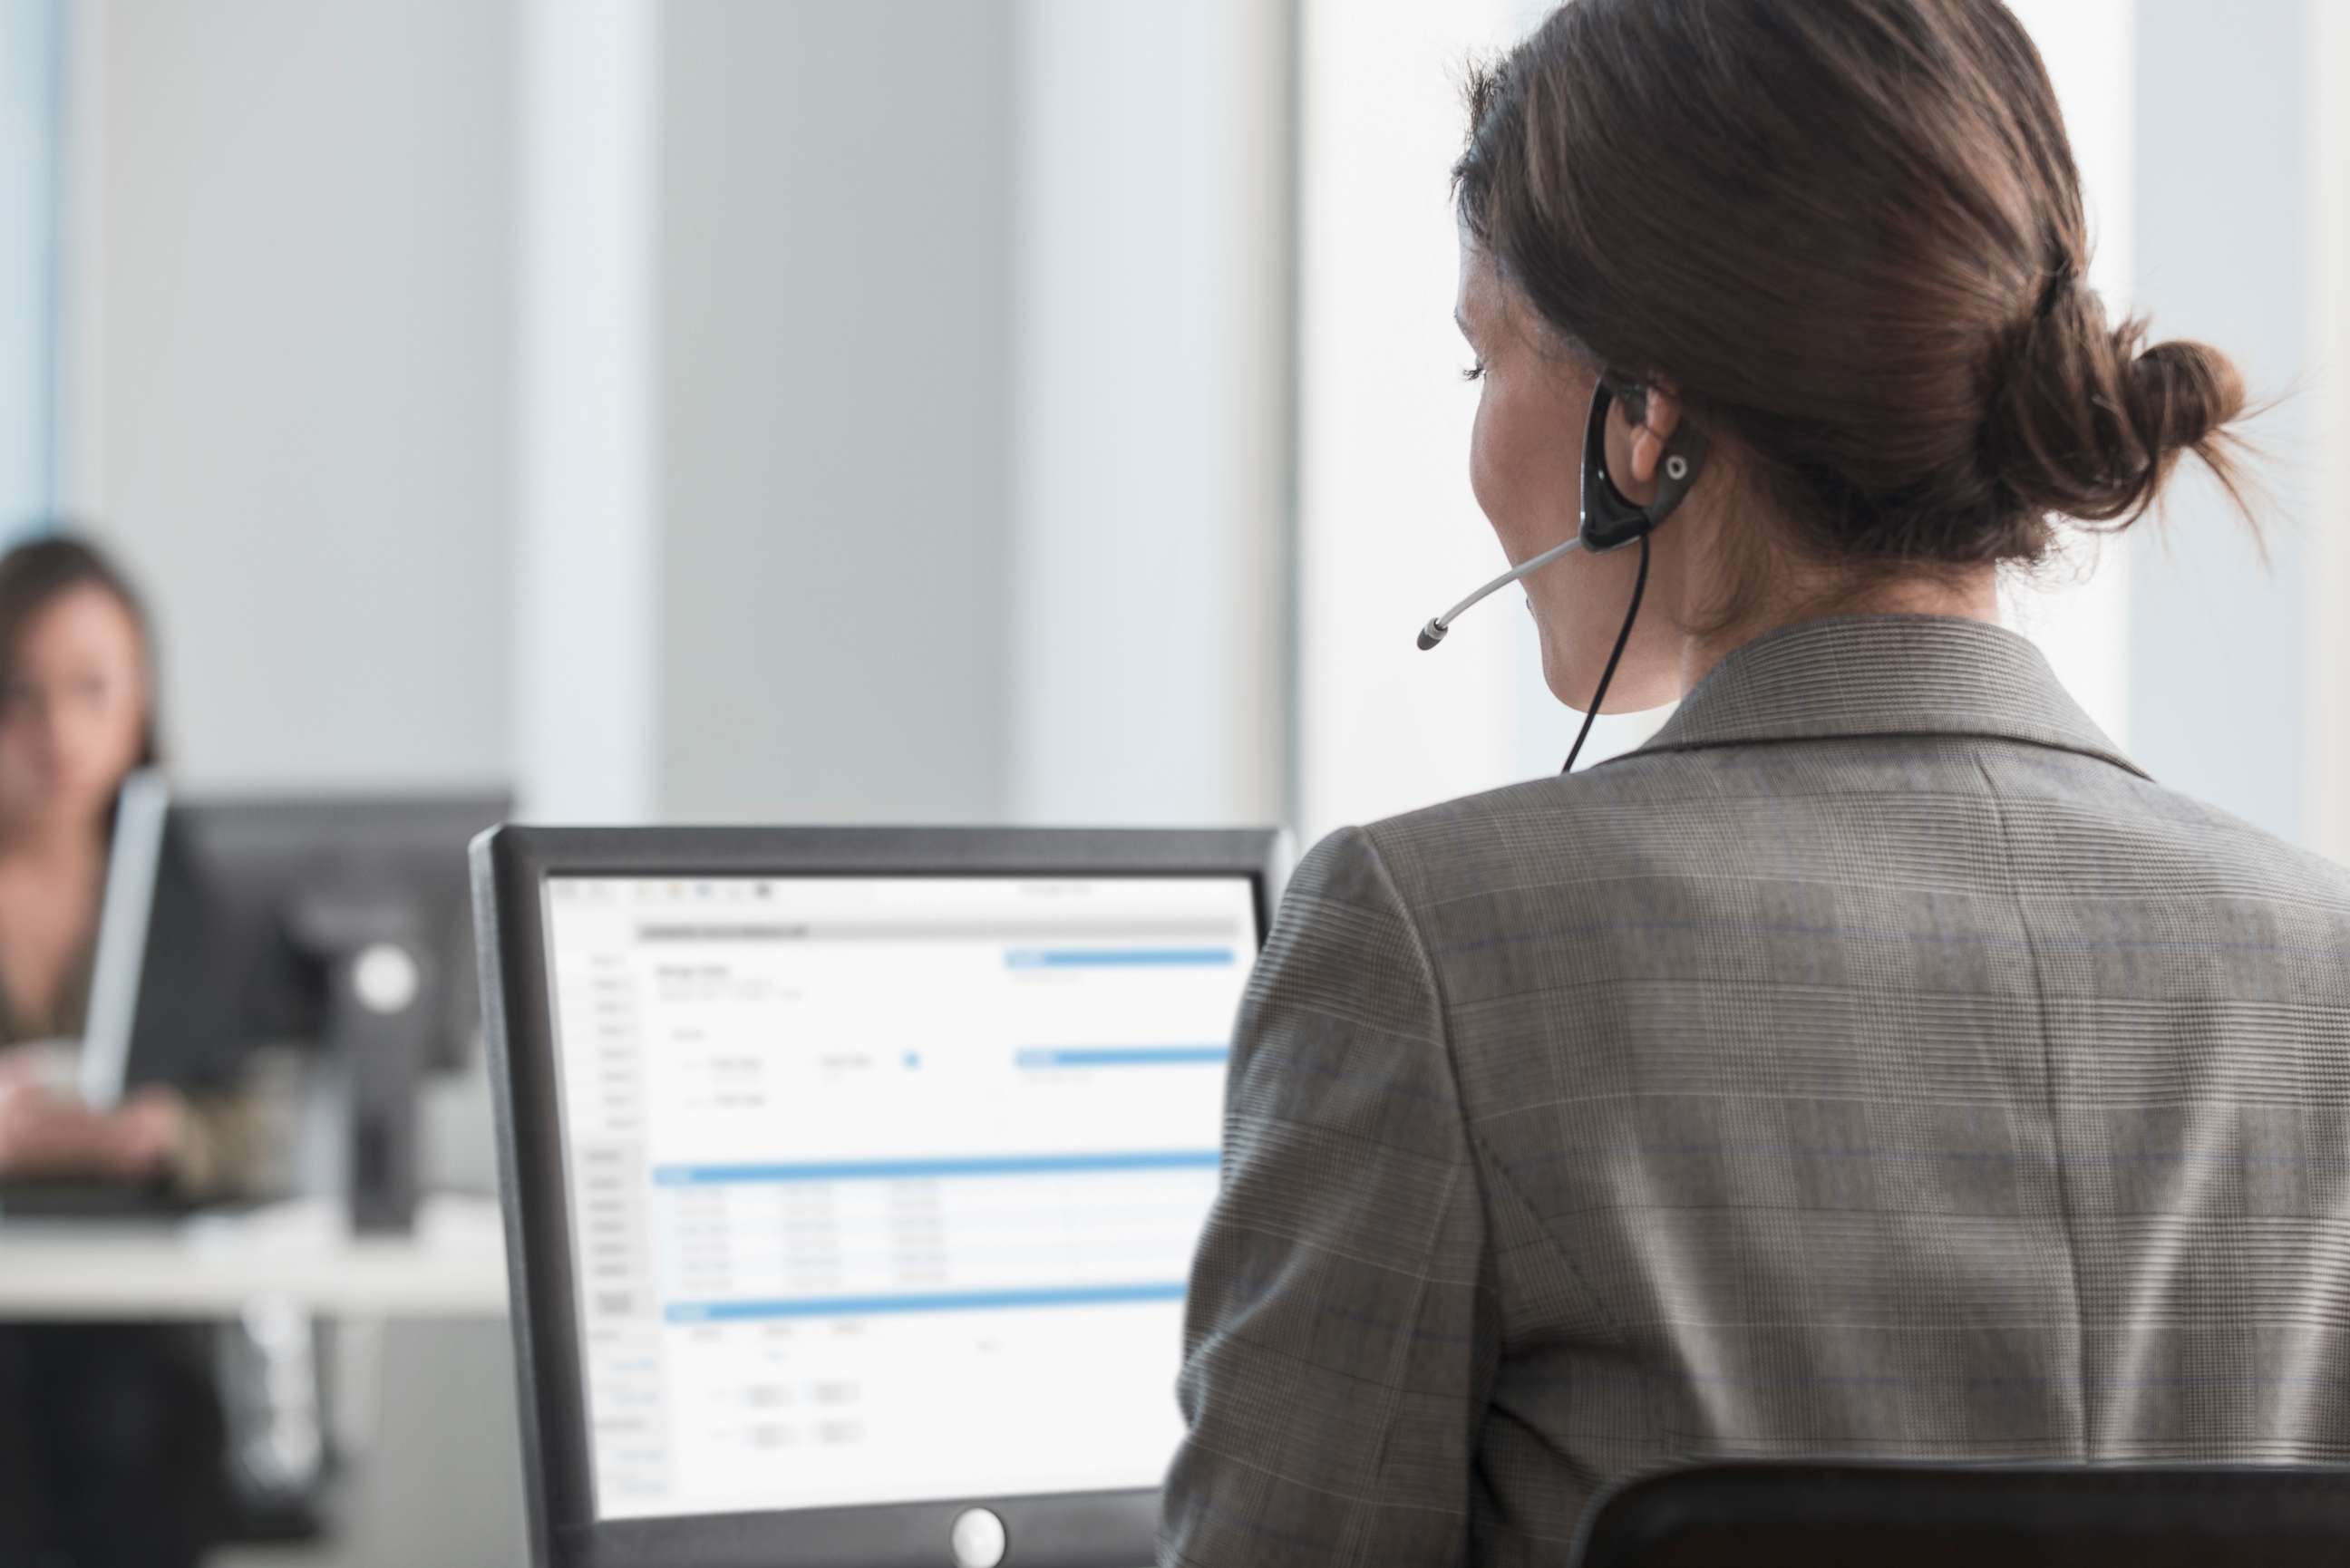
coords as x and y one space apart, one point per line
852 1181
339 921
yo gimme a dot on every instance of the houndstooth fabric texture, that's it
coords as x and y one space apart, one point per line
1874 1065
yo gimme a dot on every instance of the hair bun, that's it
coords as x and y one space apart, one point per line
2183 394
2085 423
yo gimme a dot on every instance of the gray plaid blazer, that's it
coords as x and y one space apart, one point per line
1876 1063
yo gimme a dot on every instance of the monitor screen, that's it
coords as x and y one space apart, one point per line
885 1189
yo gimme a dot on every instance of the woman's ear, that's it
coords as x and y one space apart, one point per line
1660 416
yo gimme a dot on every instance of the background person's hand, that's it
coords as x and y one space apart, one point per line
46 1134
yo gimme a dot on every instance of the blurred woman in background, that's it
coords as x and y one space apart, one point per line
76 717
110 1435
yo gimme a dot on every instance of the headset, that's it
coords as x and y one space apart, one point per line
1610 521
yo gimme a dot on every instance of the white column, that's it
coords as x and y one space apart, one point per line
1151 464
587 552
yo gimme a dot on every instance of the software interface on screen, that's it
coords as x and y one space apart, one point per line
885 1189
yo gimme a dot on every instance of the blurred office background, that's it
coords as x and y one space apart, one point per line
1038 410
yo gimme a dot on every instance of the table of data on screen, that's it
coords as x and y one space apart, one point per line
887 1187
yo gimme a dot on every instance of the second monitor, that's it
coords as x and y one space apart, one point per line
339 923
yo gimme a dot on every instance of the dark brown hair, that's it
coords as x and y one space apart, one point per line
36 574
1848 234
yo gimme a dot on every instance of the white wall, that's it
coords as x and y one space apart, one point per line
1150 496
835 243
972 408
432 482
901 414
290 407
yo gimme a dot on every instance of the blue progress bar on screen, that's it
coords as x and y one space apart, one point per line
948 1301
1117 958
1123 1057
924 1169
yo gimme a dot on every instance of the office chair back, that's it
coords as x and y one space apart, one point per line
1913 1516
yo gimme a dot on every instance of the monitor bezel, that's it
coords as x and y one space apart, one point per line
511 866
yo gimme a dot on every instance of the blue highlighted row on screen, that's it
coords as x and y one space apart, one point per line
948 1301
923 1170
1123 1057
1117 958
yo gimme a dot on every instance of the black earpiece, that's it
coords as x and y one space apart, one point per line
1611 518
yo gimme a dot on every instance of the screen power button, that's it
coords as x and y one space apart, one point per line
977 1539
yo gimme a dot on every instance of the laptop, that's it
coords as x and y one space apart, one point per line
852 1179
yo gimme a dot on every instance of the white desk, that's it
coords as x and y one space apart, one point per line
211 1266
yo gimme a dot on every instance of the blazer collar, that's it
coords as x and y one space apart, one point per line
1884 675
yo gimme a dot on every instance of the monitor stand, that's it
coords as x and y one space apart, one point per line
383 995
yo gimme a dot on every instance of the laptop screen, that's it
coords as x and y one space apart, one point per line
885 1189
